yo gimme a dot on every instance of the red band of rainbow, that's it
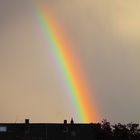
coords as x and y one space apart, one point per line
68 67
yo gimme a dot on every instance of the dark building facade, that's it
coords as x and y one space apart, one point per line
49 131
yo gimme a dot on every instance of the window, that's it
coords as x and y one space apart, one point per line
3 129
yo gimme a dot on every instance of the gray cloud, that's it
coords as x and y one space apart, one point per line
105 37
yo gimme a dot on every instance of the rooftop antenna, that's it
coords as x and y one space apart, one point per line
72 121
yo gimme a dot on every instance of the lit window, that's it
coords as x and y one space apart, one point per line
3 128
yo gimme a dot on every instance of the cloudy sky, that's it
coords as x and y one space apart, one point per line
105 34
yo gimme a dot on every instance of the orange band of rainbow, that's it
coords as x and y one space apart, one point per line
68 66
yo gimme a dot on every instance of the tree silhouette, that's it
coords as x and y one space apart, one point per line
106 129
130 131
120 131
134 131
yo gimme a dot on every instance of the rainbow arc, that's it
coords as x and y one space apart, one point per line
68 68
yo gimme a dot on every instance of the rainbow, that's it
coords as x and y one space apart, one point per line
68 68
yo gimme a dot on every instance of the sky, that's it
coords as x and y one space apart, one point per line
105 35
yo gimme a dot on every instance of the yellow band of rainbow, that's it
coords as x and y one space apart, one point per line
69 68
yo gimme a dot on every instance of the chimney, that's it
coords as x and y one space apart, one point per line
27 121
65 121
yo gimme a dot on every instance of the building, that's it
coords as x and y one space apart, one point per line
49 131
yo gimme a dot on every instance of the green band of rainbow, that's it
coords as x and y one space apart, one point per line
69 68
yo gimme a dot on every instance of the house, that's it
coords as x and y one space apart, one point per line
49 131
